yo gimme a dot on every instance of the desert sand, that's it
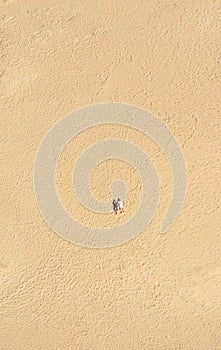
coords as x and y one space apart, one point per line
155 292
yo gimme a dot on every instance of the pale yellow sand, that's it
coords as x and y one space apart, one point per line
154 292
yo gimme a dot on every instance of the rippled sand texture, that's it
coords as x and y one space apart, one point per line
154 292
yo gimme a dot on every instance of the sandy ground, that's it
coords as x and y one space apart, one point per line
154 292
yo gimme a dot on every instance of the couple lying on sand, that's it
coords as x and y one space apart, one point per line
118 205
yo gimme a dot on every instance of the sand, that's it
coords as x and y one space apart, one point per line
154 292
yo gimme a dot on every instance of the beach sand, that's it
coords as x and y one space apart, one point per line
155 292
